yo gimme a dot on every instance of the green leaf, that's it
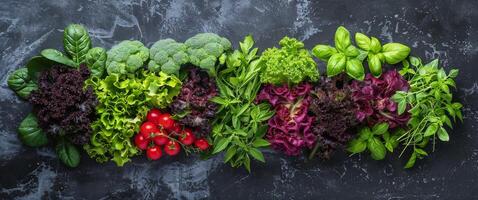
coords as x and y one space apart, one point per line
377 149
375 45
453 73
380 128
247 163
68 153
336 64
36 65
323 52
421 152
96 61
357 146
365 133
415 61
247 44
261 131
402 105
255 153
20 82
411 161
259 142
221 145
395 52
374 65
432 129
30 133
57 56
76 42
443 135
231 151
342 39
355 69
362 41
351 51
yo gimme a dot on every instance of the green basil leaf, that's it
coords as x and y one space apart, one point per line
247 163
323 52
30 133
351 51
221 145
377 149
68 153
365 134
374 65
336 64
362 41
259 142
231 151
342 39
255 153
57 56
432 129
355 69
380 128
443 135
96 61
421 152
453 73
357 146
76 42
375 45
415 61
402 105
411 161
395 52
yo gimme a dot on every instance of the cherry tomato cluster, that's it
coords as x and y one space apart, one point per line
160 130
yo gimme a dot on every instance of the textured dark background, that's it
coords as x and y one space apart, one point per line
435 29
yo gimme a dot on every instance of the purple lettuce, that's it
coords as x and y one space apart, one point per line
373 101
290 128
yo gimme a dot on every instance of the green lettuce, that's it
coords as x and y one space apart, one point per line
123 105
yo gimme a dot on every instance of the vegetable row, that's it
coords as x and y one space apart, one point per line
204 97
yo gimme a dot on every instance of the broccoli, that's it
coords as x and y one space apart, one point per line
126 57
167 55
204 49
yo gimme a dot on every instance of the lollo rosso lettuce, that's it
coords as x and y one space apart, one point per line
123 104
373 99
290 129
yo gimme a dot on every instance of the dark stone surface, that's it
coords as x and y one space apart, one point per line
435 29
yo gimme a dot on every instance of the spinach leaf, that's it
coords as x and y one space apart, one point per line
20 82
30 133
76 42
96 61
57 56
67 153
36 65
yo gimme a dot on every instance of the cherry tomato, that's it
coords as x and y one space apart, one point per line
201 144
141 142
153 115
147 128
187 137
166 121
160 138
154 153
172 148
176 129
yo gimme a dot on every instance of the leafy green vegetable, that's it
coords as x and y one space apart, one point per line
346 57
30 133
343 58
76 42
431 104
68 153
377 141
205 49
36 65
57 56
167 55
240 124
123 104
126 57
20 82
290 64
96 61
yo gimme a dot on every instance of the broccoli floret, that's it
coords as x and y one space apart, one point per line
167 56
205 48
126 57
